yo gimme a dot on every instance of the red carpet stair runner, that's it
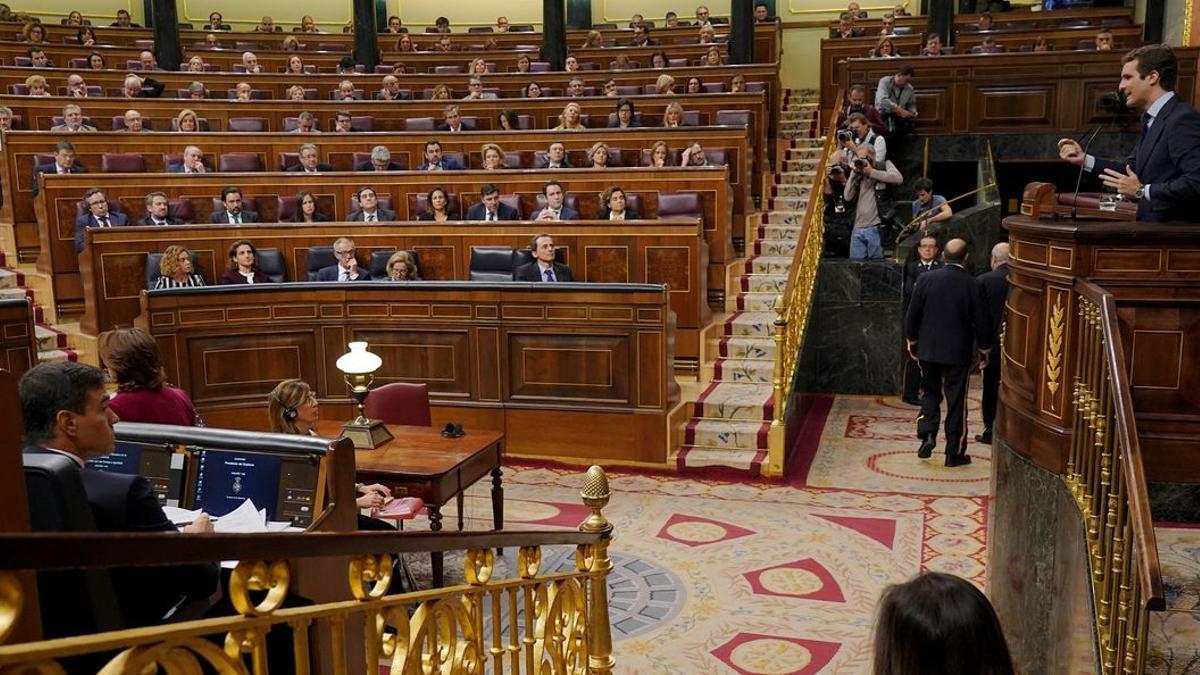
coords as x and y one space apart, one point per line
52 343
730 418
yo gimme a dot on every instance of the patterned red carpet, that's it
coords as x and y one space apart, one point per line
719 575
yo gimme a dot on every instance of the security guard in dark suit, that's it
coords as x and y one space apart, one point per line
926 260
946 320
995 291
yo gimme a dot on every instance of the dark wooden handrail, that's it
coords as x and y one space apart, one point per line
1149 571
64 550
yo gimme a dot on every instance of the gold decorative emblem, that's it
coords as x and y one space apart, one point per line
1054 342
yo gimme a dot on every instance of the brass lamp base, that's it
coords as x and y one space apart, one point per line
366 436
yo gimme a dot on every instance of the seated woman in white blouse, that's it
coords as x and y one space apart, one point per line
243 265
613 202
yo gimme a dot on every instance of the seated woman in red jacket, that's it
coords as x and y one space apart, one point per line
132 360
243 265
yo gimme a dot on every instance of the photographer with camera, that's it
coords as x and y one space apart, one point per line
857 134
867 178
897 100
856 102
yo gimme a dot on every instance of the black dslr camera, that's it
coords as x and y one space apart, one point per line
839 170
844 135
860 163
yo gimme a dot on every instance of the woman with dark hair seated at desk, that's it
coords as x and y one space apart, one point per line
243 265
306 209
132 360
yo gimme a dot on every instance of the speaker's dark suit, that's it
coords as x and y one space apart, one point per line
49 168
531 272
124 503
503 212
1167 158
88 220
995 292
912 372
222 217
332 273
947 319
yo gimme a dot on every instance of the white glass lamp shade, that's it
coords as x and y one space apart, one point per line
358 361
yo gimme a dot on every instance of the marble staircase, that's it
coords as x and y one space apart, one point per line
732 414
21 281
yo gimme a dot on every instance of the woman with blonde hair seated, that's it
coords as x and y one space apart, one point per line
400 267
477 67
195 65
405 43
570 119
441 93
36 84
884 49
594 40
290 44
307 25
599 155
176 269
187 121
673 116
295 93
492 157
664 85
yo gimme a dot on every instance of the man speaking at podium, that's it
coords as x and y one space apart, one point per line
1163 173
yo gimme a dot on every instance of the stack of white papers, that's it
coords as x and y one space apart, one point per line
245 519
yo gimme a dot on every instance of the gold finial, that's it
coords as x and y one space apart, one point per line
595 496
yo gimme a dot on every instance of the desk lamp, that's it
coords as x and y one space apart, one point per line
359 366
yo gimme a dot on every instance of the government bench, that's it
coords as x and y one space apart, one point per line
114 271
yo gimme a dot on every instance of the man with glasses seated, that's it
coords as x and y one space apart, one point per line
346 268
97 216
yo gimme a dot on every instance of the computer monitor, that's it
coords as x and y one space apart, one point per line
283 484
160 464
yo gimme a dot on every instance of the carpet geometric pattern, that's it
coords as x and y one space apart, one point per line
1174 635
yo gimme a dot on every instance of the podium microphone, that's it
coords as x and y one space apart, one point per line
1112 103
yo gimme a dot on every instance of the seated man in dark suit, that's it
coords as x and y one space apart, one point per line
1163 173
641 36
369 210
453 121
346 268
434 160
491 208
233 213
97 216
159 208
381 160
543 267
193 162
65 410
555 208
556 157
391 90
310 161
64 162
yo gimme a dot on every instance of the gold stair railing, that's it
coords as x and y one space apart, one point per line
536 623
1106 478
792 307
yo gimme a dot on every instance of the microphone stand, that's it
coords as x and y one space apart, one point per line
1079 177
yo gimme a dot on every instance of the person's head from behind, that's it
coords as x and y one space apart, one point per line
65 406
292 407
955 252
1000 254
132 359
1146 74
939 624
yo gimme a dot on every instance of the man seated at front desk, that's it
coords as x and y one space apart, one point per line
64 162
491 208
97 216
310 161
555 207
346 268
232 213
543 267
159 209
434 160
65 411
193 161
1162 174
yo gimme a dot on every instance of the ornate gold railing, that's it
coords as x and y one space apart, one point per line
1104 474
794 304
536 622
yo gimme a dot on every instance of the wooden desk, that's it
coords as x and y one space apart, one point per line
420 462
18 342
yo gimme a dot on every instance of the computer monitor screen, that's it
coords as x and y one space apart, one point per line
159 464
284 485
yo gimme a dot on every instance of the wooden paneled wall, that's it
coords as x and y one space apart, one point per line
18 342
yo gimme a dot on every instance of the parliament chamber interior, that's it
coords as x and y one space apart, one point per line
815 338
